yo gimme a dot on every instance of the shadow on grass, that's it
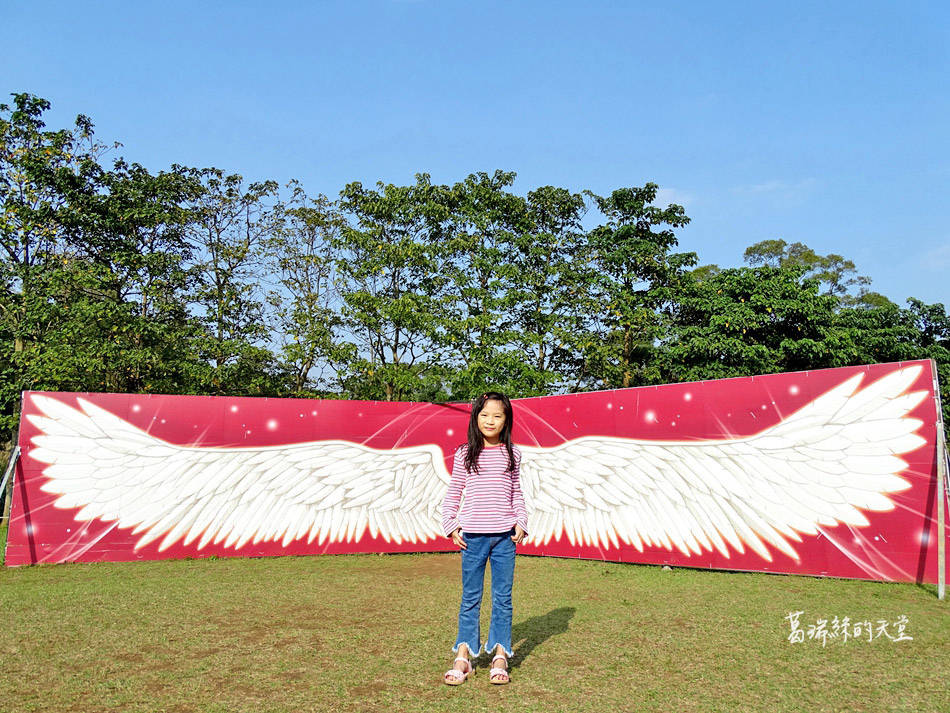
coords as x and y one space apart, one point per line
930 589
529 634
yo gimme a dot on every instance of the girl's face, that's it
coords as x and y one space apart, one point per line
491 419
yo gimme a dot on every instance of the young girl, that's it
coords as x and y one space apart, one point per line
491 522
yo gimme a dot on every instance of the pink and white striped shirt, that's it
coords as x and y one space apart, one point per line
493 498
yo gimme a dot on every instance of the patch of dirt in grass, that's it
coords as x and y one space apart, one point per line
441 567
412 567
307 617
82 706
253 632
205 653
369 690
298 680
156 689
146 659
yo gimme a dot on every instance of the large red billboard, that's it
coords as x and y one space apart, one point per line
829 472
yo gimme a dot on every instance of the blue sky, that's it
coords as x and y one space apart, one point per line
825 123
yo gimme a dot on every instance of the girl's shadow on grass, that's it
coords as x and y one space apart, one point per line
530 633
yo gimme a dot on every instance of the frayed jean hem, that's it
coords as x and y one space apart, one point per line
473 651
490 650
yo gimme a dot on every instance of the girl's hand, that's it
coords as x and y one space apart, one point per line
519 535
458 539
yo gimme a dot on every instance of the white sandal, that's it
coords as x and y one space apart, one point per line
499 672
454 677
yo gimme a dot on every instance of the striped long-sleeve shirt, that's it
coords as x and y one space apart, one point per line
493 498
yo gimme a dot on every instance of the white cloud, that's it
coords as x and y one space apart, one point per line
767 187
937 258
778 189
665 196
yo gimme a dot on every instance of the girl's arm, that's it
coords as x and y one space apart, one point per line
453 498
517 497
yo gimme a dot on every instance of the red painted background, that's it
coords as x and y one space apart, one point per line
897 545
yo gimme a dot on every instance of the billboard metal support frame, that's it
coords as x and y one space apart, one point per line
941 491
941 513
14 457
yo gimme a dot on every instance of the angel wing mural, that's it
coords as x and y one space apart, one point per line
823 465
327 489
830 462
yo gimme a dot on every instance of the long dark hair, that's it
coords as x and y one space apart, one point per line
476 440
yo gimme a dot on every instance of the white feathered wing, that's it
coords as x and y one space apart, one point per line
327 489
823 465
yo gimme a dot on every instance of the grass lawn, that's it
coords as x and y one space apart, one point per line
374 633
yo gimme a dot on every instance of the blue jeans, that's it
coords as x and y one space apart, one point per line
482 548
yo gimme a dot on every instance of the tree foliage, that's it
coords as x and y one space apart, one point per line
230 226
751 320
91 277
637 279
836 274
114 278
302 255
388 273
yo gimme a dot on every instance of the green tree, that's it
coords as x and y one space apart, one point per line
837 275
638 278
704 272
108 312
230 225
745 321
93 270
550 300
890 333
388 279
307 300
477 275
39 169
